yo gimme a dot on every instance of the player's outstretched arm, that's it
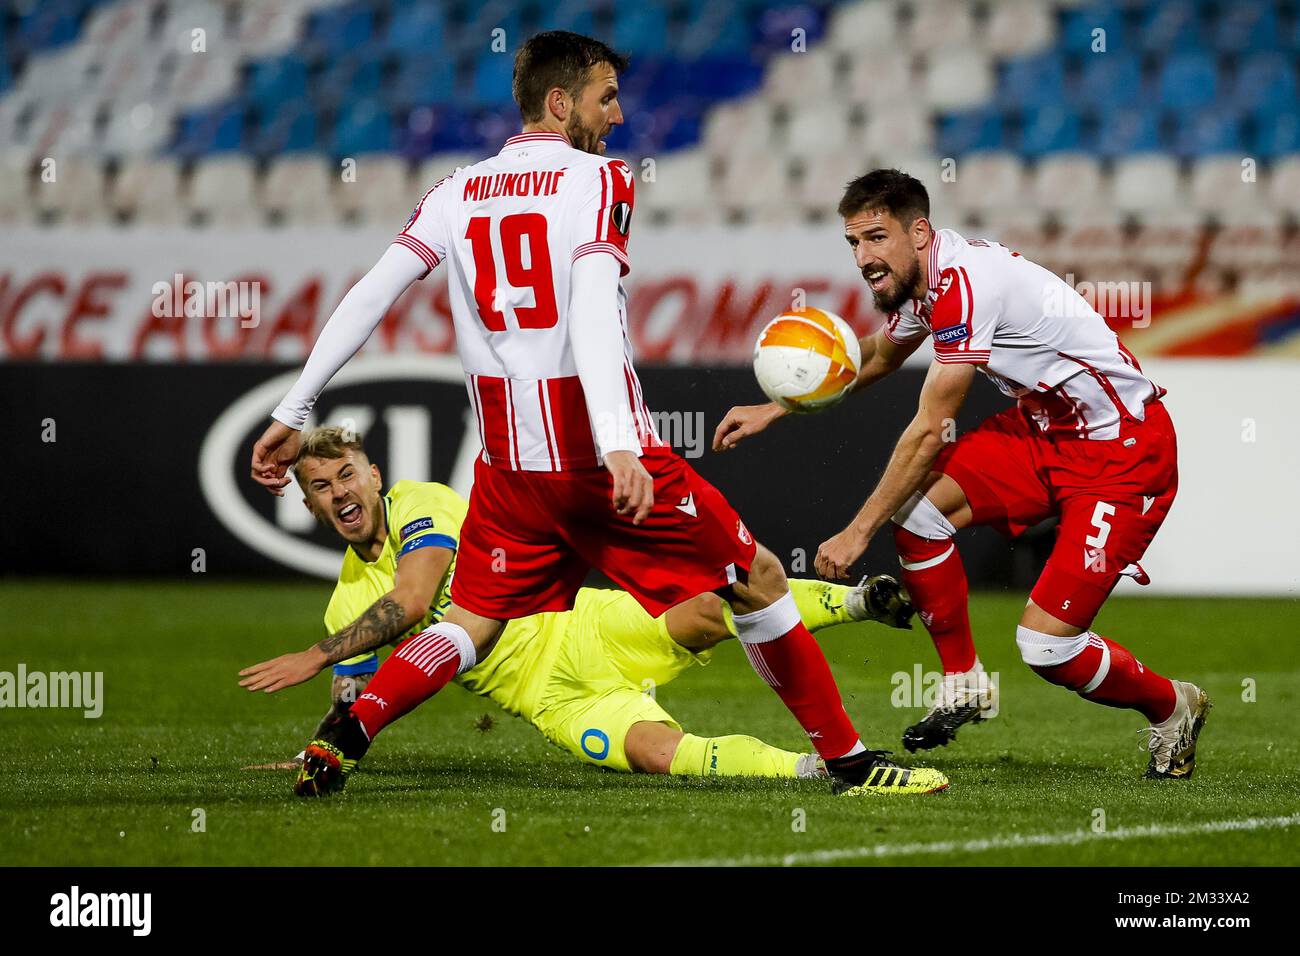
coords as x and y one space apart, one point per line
419 574
880 356
344 333
942 396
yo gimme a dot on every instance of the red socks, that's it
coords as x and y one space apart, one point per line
789 659
936 580
1107 673
420 667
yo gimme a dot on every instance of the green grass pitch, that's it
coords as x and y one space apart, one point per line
1027 788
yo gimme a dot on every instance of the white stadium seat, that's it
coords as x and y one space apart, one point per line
864 28
682 187
990 181
1284 185
898 126
75 194
743 127
799 79
15 187
936 24
957 78
148 191
382 193
138 129
1217 186
1019 27
755 183
825 175
884 76
222 190
1147 183
1067 182
297 189
821 126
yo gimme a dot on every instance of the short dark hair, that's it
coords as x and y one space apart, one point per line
892 190
556 58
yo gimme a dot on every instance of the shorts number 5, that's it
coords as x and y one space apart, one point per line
1099 515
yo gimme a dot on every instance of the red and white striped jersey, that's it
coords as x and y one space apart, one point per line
510 228
1031 333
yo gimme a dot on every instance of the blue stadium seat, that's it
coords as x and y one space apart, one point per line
1244 28
1187 82
362 126
339 30
215 129
1171 25
1265 80
276 80
290 129
1078 30
1128 131
970 131
640 29
422 80
573 15
1050 129
719 28
777 23
418 29
1277 134
1109 81
1032 81
356 76
492 78
1210 132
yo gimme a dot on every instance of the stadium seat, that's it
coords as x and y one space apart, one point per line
1187 82
1127 131
362 126
800 78
1109 82
1032 81
148 191
222 191
269 29
1049 129
1278 134
957 78
864 29
937 25
758 182
1220 186
824 126
1066 182
989 181
75 195
641 29
885 75
1093 29
381 194
898 125
1170 25
1265 82
297 190
136 129
417 29
741 127
1019 27
1211 132
682 188
825 174
970 131
1244 27
1147 183
16 207
1284 185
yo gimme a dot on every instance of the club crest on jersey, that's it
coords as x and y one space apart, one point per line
952 334
743 533
945 282
621 217
419 524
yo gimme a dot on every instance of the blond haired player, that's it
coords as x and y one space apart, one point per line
580 677
1088 441
572 475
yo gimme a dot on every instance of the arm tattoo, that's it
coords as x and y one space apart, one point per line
383 621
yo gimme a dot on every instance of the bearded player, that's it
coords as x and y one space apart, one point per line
1089 441
572 474
580 677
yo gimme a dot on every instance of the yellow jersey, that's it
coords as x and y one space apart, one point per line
419 514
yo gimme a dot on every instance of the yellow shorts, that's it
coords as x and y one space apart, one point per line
611 657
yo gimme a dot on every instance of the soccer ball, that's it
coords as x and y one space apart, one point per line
807 359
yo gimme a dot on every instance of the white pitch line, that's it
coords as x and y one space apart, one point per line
1015 840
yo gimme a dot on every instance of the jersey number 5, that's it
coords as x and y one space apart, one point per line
536 275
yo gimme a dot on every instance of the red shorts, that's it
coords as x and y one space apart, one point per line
1111 496
530 537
